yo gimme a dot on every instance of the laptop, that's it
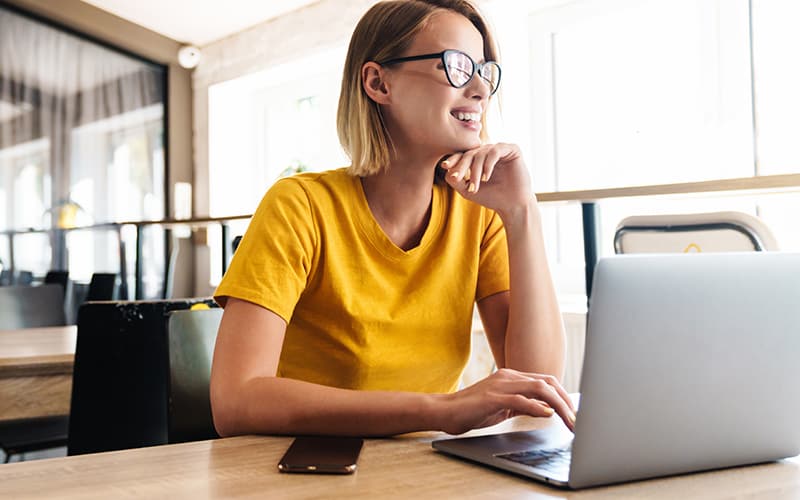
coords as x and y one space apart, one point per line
691 364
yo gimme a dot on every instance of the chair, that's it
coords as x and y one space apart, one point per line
191 337
22 436
28 307
120 376
24 278
702 232
57 278
103 286
31 306
235 243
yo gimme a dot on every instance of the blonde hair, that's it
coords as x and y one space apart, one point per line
385 32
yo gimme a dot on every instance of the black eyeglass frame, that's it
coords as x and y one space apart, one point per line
476 67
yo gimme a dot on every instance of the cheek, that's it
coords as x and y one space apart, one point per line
422 111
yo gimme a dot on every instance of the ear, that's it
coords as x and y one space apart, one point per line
373 79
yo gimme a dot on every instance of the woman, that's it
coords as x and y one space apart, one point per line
348 304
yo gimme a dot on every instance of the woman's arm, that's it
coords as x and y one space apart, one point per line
247 397
524 325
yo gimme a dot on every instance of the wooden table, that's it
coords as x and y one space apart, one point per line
402 467
36 371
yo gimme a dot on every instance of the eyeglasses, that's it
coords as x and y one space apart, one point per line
459 68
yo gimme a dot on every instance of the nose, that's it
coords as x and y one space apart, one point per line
478 88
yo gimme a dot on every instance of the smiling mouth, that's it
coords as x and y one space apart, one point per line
466 117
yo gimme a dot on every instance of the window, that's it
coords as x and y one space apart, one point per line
81 142
113 177
622 93
24 168
776 47
264 123
267 125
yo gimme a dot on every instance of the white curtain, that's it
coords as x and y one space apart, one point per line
81 143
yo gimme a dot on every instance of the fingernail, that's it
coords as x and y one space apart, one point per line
454 175
549 412
467 175
471 188
572 418
485 177
445 164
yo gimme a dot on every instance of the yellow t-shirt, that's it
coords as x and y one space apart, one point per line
362 313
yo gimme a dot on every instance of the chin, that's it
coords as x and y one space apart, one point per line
454 143
467 145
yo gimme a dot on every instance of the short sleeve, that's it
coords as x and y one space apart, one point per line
273 261
493 262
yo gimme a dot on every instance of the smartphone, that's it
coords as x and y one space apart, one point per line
322 455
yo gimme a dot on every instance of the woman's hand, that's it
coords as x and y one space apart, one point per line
492 175
505 394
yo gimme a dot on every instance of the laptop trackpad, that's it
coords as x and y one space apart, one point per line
490 450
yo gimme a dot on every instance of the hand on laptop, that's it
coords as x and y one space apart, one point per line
505 394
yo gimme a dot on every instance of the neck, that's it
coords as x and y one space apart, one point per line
399 198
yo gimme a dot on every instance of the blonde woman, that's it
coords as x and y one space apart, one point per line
348 304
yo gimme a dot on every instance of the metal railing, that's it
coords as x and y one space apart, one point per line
57 234
588 200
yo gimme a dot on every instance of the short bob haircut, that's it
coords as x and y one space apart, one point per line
385 32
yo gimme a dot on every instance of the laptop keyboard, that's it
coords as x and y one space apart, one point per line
554 460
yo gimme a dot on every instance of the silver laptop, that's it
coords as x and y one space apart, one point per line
692 363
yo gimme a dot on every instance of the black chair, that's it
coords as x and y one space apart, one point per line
235 243
22 436
31 306
57 278
28 307
119 381
103 286
191 335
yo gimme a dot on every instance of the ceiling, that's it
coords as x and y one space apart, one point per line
198 22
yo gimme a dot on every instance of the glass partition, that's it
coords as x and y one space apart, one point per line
81 143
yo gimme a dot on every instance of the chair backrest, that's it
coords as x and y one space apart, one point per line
103 286
235 242
31 306
191 337
120 375
702 232
57 278
24 278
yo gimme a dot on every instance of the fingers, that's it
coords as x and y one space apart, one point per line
544 388
542 392
520 405
472 167
556 385
463 171
560 405
489 163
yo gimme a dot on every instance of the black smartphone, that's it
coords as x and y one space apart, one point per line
322 455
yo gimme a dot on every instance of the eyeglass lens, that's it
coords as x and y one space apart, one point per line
460 68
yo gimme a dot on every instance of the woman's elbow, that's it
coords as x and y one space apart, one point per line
223 410
238 408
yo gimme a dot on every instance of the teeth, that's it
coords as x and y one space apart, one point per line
467 117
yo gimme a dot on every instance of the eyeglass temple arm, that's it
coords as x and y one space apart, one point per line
412 58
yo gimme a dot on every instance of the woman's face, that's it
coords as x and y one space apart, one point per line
424 110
